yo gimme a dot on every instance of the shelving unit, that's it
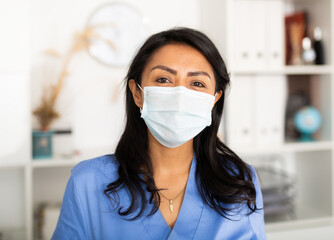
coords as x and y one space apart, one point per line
35 178
250 35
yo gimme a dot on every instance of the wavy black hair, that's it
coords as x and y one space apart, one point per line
222 178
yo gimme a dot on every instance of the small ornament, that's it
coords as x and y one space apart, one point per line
171 207
307 121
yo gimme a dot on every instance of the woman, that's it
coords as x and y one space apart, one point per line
170 176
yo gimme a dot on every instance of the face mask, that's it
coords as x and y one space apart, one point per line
174 115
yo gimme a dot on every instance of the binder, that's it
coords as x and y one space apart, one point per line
259 27
256 111
275 34
240 120
270 109
258 34
242 33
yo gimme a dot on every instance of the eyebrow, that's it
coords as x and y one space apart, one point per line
174 72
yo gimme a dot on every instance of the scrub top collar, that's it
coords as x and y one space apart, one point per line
189 215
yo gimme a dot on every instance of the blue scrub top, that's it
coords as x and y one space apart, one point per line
86 213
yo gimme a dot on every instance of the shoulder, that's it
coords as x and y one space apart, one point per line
257 218
254 175
257 185
102 167
244 172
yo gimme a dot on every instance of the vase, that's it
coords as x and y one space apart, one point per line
42 144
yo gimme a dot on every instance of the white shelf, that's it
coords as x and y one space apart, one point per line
288 70
60 160
55 162
322 230
298 224
308 70
44 163
287 147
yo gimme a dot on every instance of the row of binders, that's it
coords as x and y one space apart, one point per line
256 111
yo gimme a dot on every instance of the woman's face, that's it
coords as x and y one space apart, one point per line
176 65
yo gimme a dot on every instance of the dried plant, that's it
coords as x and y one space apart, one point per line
45 112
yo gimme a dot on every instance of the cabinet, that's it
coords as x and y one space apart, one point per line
251 37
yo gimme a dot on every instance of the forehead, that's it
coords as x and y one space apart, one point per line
179 56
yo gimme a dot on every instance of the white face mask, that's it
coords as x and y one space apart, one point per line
175 115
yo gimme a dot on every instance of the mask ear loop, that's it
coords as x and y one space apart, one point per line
142 91
140 87
215 99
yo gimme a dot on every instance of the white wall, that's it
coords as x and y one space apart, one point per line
14 81
96 112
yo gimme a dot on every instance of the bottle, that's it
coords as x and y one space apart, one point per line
318 46
308 52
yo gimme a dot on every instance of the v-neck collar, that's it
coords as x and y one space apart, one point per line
188 218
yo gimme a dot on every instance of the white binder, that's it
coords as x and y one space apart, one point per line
270 109
275 34
258 26
240 121
256 111
258 34
242 44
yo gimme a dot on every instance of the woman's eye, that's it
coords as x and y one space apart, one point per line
162 80
198 84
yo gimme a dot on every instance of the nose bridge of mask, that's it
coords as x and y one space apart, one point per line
183 99
143 90
177 99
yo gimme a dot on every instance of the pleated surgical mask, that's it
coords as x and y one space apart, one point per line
174 115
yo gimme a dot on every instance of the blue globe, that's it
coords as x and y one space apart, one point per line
307 121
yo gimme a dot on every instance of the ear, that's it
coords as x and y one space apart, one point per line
136 93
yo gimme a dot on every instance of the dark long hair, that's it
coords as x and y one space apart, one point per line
222 177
